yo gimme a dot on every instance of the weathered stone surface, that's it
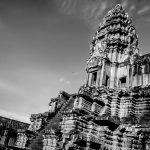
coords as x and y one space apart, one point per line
112 110
10 133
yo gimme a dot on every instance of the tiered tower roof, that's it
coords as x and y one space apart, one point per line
115 33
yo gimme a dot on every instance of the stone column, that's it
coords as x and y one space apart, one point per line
113 75
80 102
137 74
132 78
128 77
102 72
87 81
90 79
142 74
98 78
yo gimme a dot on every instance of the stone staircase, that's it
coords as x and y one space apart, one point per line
54 122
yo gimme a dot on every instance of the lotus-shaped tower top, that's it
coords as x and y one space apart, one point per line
116 35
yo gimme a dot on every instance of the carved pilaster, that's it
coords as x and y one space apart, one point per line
102 72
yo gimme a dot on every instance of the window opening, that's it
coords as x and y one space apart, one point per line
123 82
107 81
94 78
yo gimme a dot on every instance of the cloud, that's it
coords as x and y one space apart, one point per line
93 11
61 80
67 7
143 10
76 73
68 82
14 116
125 3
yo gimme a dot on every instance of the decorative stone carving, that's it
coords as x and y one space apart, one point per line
52 107
104 116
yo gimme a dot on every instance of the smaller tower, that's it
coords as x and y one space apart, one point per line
112 50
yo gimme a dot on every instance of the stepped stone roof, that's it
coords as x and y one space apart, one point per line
115 33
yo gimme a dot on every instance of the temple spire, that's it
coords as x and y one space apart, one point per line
115 43
115 33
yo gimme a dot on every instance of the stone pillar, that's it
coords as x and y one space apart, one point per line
102 72
113 79
142 73
98 78
90 79
128 77
137 74
113 76
132 78
80 102
87 81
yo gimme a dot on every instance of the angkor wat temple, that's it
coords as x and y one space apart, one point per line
10 129
111 111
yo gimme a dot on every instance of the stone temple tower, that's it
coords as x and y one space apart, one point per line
112 51
111 111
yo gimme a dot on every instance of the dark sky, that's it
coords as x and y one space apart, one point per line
44 45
